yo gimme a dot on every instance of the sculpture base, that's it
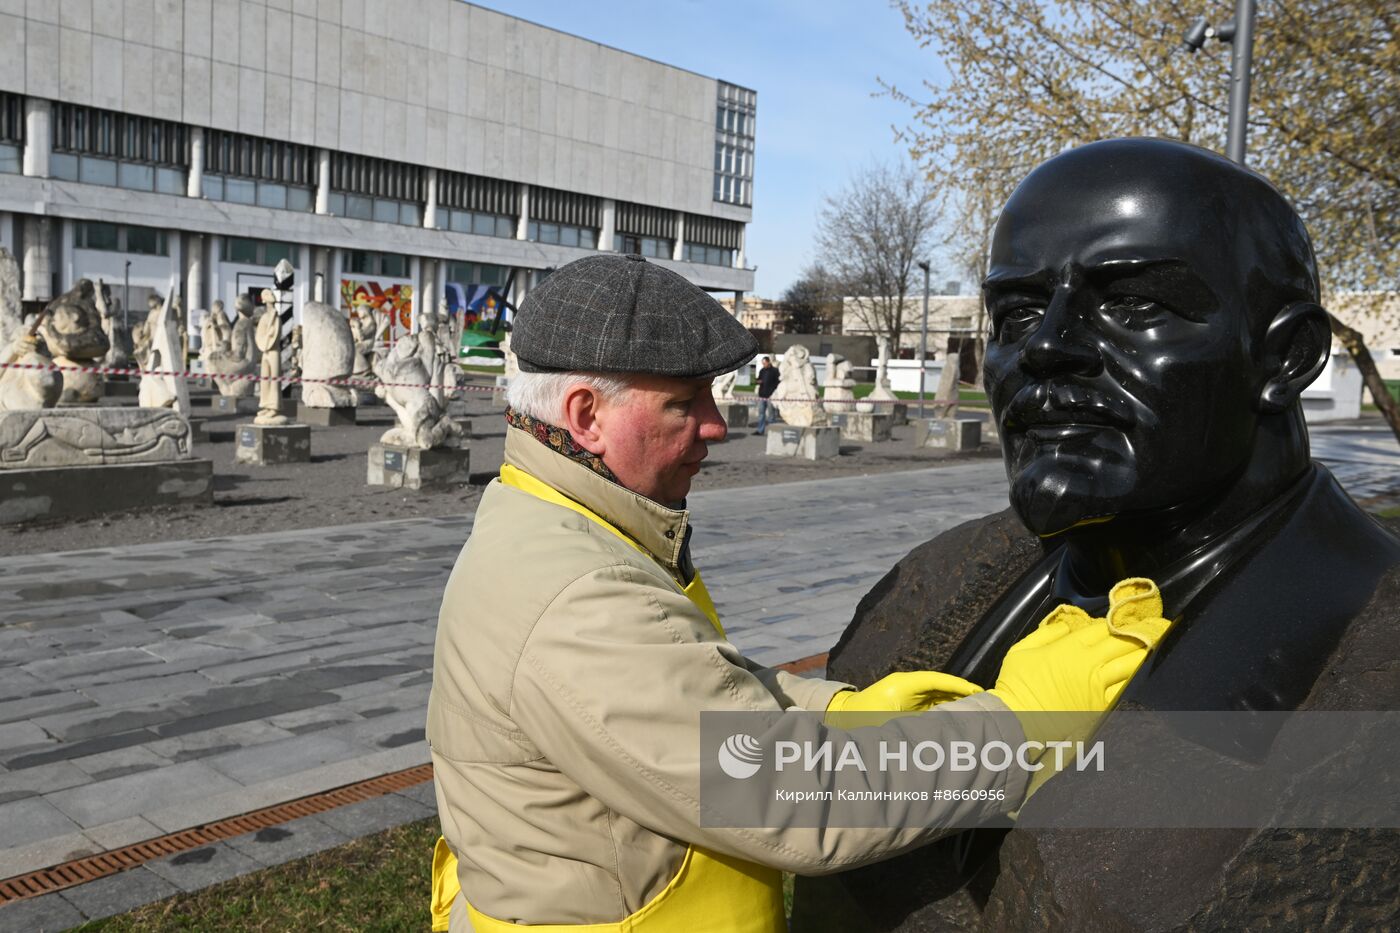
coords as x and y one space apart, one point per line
325 417
202 401
954 435
899 413
267 444
411 468
114 389
735 414
232 405
864 427
823 443
465 426
74 491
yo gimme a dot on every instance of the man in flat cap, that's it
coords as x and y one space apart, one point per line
577 647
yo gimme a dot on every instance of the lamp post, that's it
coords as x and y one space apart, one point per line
1239 32
923 341
126 296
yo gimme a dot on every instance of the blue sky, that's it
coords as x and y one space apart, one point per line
815 67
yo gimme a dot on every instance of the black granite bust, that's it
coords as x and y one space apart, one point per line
1155 319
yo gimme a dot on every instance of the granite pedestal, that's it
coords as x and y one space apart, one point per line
325 417
954 435
115 389
411 468
71 491
226 405
866 427
266 444
899 413
823 443
735 414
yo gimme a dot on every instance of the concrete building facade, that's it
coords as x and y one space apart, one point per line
397 152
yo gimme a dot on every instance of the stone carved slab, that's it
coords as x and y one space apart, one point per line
91 437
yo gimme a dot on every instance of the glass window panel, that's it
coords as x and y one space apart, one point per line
718 179
719 157
484 224
240 191
62 165
145 240
97 171
336 204
396 266
505 227
137 177
10 159
588 238
274 252
300 199
408 214
270 195
649 247
359 262
358 207
170 181
459 272
214 187
386 212
97 236
532 232
568 236
492 275
240 249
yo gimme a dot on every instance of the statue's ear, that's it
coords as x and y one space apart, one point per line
1295 350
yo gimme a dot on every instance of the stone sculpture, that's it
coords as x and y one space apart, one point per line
268 337
141 334
91 436
364 331
118 337
796 395
512 362
22 389
163 354
72 330
230 350
435 357
882 391
837 395
422 420
328 352
723 386
1145 369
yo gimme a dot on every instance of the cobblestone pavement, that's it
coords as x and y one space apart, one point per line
152 688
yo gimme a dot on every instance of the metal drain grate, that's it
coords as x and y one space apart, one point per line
92 867
802 665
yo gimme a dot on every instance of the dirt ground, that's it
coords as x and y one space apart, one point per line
331 489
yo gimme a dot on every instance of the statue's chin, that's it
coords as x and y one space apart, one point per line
1052 503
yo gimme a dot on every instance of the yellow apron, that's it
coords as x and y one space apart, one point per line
710 891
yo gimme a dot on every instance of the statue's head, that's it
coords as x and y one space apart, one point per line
1153 306
219 306
154 301
243 305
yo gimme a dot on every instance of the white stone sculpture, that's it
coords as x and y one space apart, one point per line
723 386
837 394
72 330
434 358
328 352
882 391
22 389
512 365
229 349
91 437
141 334
422 420
164 354
796 396
118 337
268 337
364 331
946 399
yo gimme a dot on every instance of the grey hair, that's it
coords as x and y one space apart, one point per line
541 395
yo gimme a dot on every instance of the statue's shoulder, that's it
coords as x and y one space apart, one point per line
1361 673
920 611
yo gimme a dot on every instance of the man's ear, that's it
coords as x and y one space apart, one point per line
1295 350
581 407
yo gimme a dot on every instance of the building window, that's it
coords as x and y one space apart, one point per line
709 255
472 273
120 238
713 241
480 223
243 169
650 246
258 252
365 188
364 262
562 234
735 112
100 147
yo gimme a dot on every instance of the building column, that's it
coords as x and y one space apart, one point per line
213 243
38 260
740 259
335 269
321 274
7 232
440 279
608 234
522 226
428 274
194 184
738 304
323 181
194 272
415 276
38 136
306 281
67 275
678 253
430 206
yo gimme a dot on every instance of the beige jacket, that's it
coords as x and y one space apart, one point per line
568 678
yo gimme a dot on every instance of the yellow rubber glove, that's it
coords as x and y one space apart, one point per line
905 692
445 885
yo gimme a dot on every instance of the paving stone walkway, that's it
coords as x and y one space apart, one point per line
149 689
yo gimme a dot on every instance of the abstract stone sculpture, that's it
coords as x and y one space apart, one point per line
723 386
118 337
362 329
72 330
163 354
91 436
882 391
328 352
238 355
403 376
1155 319
837 395
22 389
796 395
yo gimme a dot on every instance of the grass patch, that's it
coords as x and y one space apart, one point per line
378 883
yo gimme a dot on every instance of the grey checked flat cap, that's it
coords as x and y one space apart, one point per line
622 314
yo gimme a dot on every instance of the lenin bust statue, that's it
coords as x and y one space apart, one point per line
1155 318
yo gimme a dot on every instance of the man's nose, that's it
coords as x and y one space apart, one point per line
713 427
1060 344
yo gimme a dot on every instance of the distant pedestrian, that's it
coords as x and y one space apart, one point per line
767 385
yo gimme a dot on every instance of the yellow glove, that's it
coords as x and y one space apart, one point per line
445 885
905 692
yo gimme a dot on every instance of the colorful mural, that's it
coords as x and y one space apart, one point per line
393 301
476 303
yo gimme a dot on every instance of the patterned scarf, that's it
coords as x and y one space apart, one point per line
558 440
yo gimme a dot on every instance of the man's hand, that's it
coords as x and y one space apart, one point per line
905 692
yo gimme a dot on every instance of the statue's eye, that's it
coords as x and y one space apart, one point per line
1017 322
1135 312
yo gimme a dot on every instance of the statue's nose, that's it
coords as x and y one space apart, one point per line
1060 344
